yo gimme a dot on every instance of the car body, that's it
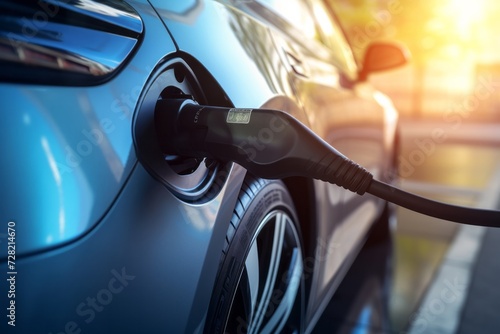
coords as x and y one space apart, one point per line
106 235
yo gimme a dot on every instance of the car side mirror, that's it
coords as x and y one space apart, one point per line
382 56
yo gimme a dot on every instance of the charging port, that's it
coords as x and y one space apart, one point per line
182 165
191 179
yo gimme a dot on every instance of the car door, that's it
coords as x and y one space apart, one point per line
323 73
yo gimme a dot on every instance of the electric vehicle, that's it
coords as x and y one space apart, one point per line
102 231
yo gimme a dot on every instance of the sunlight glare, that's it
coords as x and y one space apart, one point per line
466 13
323 19
293 12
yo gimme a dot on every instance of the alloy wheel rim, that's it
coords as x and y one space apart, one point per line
270 280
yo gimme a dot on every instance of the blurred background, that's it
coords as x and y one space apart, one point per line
455 65
448 98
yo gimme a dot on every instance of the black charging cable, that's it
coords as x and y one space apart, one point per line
272 144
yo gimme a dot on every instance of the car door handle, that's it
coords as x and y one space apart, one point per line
297 65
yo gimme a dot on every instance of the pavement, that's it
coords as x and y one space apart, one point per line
461 297
480 311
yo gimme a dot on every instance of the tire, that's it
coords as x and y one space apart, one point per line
259 284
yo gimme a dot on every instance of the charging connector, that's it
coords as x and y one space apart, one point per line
272 144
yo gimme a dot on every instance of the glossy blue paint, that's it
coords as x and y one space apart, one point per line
67 151
166 259
72 157
250 52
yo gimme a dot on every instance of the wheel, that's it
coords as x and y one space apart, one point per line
259 284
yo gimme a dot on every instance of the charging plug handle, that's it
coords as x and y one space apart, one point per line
269 143
274 145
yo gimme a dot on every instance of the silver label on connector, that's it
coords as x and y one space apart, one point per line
239 116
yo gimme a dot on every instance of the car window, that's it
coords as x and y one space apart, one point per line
332 36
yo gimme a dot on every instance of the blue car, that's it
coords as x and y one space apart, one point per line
103 231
